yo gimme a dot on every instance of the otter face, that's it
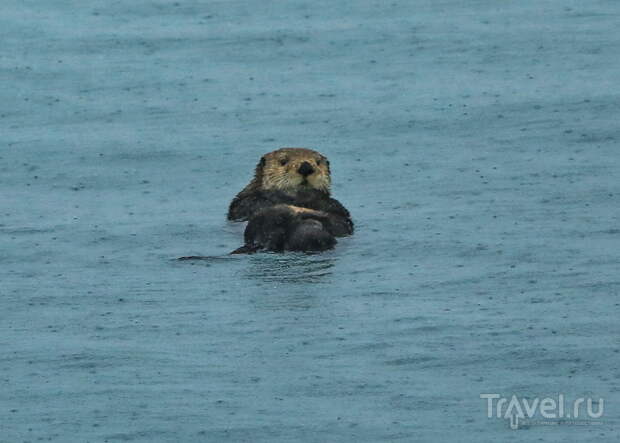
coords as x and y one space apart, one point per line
295 169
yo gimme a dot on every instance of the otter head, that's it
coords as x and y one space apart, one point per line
294 169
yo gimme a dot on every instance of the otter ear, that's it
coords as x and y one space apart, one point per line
262 162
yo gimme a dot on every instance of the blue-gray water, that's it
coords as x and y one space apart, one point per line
475 144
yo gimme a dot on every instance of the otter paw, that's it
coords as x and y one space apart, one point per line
286 228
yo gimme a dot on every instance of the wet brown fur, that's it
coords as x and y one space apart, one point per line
288 204
271 174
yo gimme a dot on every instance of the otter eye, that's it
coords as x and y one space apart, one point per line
318 161
284 161
262 161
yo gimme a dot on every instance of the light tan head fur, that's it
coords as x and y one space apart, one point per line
280 170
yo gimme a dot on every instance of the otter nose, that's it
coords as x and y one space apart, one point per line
305 169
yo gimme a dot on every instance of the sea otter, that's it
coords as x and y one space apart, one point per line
288 205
